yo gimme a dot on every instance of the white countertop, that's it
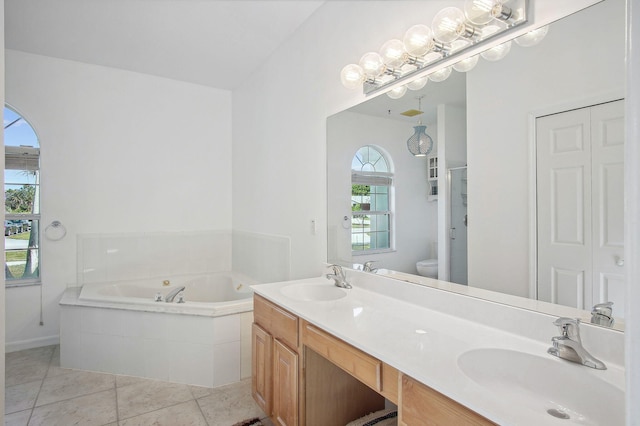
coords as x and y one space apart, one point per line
425 343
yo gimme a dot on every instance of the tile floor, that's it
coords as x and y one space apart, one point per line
39 392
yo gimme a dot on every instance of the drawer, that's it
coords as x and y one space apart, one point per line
363 367
281 324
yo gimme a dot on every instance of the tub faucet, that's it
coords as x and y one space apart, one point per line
172 294
368 266
338 277
602 314
569 345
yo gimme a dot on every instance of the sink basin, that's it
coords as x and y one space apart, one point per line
313 292
549 386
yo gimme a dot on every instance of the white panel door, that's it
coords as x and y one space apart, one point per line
607 147
564 216
580 190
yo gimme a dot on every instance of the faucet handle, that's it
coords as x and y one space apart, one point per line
569 327
337 269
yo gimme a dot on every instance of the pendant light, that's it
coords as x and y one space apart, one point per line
420 143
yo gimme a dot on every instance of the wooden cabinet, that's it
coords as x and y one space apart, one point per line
274 381
421 406
261 365
302 375
285 385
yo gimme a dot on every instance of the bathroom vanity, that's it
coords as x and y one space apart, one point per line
326 355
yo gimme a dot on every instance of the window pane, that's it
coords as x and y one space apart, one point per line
20 198
22 254
20 177
20 132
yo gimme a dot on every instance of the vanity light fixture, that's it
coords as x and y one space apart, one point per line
532 37
453 31
420 143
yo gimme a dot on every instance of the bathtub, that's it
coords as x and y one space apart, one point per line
212 295
118 328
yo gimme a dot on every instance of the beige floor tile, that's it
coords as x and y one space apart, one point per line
185 414
149 396
36 354
21 418
26 371
230 404
21 397
96 409
74 384
200 391
122 380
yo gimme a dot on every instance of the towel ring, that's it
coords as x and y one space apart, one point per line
57 228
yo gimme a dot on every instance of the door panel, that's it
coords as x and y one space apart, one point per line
580 190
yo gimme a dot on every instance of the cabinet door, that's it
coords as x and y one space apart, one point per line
261 362
285 385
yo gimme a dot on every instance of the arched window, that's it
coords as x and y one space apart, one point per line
371 201
22 201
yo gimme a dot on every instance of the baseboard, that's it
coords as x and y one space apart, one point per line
31 343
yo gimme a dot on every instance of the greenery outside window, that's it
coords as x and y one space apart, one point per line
371 202
22 201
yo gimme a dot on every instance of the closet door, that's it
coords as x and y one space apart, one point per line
564 213
607 146
580 190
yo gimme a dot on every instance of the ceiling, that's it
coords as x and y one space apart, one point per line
210 42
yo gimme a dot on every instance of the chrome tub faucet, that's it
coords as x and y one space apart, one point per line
569 345
339 278
173 293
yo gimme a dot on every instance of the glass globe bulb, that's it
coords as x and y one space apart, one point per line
418 40
440 75
352 76
418 83
466 64
397 92
497 52
393 53
481 12
532 37
372 64
449 25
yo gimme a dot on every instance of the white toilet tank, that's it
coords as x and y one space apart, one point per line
428 268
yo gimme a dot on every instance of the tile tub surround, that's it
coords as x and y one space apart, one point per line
422 331
189 349
40 392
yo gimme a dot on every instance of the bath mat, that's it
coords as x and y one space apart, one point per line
250 422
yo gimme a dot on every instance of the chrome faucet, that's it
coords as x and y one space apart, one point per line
339 278
367 266
569 345
602 314
172 294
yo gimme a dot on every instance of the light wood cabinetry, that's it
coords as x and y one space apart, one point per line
421 406
274 382
303 375
262 376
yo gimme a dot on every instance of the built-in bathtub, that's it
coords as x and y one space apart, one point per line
119 328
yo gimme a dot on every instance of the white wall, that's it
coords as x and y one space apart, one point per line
120 152
415 218
2 293
563 72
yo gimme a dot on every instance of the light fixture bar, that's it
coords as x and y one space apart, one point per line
425 49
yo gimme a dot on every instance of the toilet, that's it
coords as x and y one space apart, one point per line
428 268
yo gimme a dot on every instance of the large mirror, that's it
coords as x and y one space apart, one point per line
487 204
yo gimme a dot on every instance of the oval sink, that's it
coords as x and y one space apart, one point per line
548 386
313 292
